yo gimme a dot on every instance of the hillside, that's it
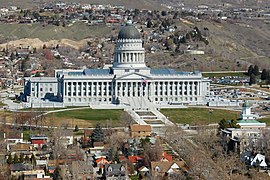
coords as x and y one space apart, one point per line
141 4
76 31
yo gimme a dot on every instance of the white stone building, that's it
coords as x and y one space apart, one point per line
128 81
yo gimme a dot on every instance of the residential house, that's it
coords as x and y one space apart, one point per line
115 172
138 131
13 138
38 141
18 168
161 168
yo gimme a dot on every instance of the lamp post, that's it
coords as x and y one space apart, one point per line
209 118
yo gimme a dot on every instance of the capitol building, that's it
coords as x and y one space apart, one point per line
128 82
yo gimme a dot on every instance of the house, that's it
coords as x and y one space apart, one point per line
166 157
138 131
144 171
13 138
101 162
167 167
251 158
115 172
38 141
18 168
21 148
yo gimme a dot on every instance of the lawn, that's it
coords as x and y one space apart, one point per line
265 120
240 74
195 116
87 117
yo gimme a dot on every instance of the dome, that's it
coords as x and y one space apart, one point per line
129 32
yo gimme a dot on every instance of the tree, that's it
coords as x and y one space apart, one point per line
252 79
149 24
250 70
98 134
9 160
12 56
76 128
57 173
33 159
265 74
21 158
256 71
223 124
27 159
15 159
163 13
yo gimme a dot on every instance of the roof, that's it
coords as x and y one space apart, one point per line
134 159
167 157
116 169
168 71
20 167
97 72
137 128
164 166
21 147
102 159
129 32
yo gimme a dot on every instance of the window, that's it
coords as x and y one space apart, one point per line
126 70
137 70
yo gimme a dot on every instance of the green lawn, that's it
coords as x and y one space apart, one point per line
265 120
194 116
92 115
224 74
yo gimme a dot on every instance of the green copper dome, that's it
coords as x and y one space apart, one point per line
129 32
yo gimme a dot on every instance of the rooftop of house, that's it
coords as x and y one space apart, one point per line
21 147
165 166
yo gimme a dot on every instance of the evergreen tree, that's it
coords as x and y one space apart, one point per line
27 159
233 124
149 24
252 79
250 70
57 173
9 159
256 70
15 159
33 159
97 135
223 124
265 74
21 158
76 128
116 157
12 56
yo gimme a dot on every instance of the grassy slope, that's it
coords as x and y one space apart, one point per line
198 115
142 4
78 31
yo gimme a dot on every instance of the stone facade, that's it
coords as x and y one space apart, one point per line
127 81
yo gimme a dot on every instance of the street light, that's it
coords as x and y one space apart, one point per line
209 118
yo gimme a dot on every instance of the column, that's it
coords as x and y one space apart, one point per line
183 88
82 93
71 90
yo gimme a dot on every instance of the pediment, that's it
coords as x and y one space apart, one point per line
133 76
